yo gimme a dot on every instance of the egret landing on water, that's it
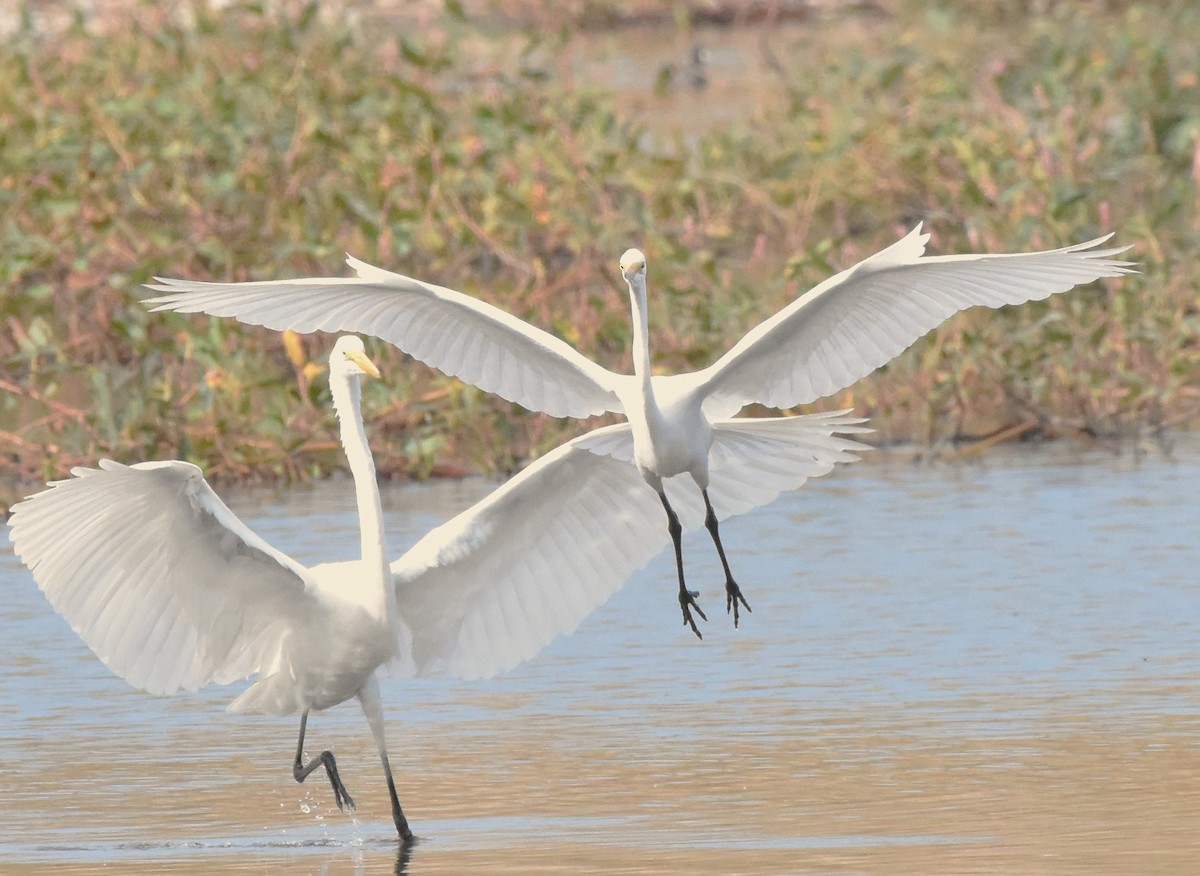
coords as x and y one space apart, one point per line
172 591
824 341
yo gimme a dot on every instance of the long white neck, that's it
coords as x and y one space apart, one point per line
347 404
641 338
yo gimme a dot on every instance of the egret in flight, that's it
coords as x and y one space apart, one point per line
173 592
837 333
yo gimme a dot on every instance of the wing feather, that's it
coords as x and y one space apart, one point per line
157 575
563 535
753 460
815 346
521 567
462 336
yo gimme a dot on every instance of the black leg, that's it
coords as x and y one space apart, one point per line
687 598
733 593
402 828
372 707
301 772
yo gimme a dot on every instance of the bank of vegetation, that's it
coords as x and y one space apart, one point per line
255 144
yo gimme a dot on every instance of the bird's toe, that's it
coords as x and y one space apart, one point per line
733 596
687 602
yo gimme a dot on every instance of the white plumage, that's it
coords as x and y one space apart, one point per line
500 581
824 341
172 591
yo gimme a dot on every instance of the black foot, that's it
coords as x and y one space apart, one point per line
340 795
687 601
733 595
404 851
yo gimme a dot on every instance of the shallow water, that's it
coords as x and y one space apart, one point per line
979 668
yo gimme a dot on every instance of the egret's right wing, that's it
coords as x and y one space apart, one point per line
496 584
157 575
459 335
493 586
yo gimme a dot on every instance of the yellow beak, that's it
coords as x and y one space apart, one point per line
361 360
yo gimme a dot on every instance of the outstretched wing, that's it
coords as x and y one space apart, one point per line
455 333
754 459
157 575
496 584
848 326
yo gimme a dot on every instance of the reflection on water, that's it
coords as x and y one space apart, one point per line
970 669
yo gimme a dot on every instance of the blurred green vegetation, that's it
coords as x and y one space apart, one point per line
265 142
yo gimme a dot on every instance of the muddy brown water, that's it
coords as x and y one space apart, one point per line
983 668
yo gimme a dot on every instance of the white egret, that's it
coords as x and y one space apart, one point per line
838 332
172 591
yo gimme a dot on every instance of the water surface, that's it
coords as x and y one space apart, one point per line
975 668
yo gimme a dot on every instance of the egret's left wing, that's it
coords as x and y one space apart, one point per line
856 321
755 459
